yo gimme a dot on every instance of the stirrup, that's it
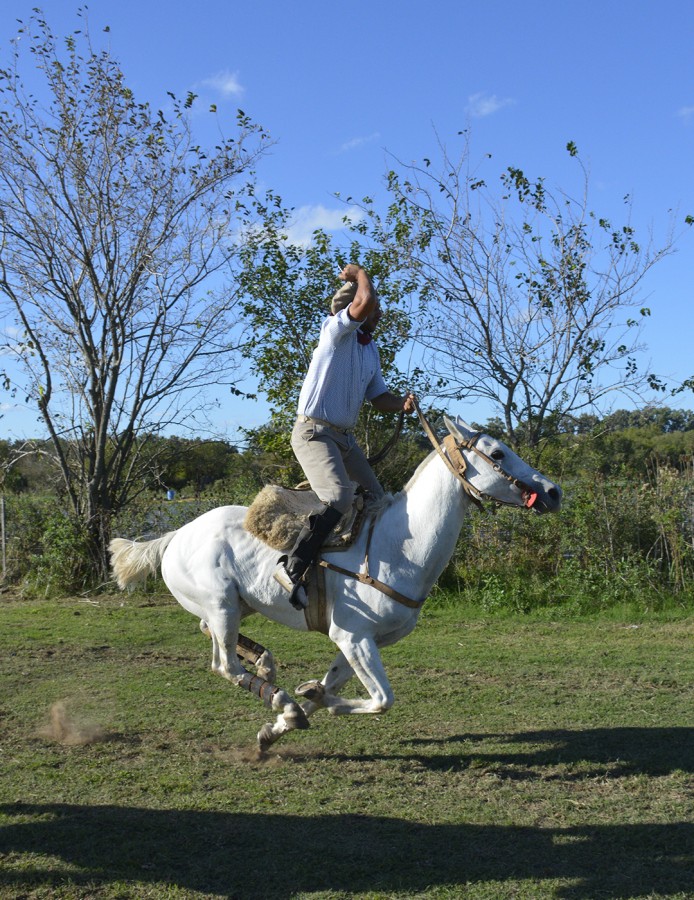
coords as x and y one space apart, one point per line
297 592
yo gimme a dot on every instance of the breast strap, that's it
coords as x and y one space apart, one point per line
365 578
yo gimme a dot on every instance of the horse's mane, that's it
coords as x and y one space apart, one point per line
418 471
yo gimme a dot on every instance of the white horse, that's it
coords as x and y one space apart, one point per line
373 591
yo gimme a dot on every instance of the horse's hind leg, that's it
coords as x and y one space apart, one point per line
225 638
257 655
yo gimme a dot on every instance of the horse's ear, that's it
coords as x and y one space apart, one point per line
459 429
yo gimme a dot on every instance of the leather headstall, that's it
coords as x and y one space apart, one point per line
450 450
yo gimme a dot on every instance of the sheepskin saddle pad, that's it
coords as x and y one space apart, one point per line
278 514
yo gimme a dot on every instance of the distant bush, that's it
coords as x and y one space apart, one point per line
616 541
63 563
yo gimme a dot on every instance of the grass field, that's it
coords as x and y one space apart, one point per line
523 758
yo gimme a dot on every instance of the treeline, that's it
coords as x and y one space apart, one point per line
629 440
174 463
625 536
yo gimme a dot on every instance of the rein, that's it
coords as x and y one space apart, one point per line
391 442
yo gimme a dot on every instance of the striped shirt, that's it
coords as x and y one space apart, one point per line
343 373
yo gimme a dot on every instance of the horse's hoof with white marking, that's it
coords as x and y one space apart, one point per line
266 737
295 717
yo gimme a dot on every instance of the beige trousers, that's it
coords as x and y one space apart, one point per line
333 463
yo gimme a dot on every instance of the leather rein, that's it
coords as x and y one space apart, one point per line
450 450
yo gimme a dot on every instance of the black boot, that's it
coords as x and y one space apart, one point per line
292 568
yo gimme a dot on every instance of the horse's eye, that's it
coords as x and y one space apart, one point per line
497 454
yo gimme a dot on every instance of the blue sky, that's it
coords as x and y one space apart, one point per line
343 88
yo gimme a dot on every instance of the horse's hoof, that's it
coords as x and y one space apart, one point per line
266 738
295 717
311 690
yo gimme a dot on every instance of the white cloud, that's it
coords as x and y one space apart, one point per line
307 219
357 142
225 83
686 113
483 104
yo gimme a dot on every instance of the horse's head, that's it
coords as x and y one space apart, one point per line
494 472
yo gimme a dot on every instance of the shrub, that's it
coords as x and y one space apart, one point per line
63 564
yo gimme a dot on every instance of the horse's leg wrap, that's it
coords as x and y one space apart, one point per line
248 649
290 714
260 687
257 656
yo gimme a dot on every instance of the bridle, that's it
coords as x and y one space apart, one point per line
451 452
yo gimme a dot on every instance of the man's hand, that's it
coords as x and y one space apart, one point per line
393 403
365 298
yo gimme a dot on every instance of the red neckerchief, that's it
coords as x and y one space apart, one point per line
364 337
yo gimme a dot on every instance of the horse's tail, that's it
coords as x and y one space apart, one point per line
133 561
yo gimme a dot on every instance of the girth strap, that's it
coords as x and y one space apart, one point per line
316 613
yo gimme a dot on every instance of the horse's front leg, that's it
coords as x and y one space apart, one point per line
358 656
315 692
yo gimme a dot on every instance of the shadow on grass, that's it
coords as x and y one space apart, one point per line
615 752
276 856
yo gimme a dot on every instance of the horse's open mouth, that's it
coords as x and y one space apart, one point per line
530 499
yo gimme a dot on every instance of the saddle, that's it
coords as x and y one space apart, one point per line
278 514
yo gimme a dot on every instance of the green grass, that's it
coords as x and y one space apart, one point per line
523 758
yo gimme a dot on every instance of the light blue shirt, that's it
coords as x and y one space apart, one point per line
343 373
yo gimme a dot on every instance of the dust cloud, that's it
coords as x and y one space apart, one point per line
70 729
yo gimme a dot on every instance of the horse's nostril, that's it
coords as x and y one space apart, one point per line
554 493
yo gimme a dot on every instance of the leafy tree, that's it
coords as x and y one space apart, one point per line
526 299
10 479
116 229
194 463
662 418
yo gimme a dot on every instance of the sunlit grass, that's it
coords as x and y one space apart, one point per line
523 758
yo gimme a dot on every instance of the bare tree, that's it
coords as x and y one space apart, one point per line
527 297
116 232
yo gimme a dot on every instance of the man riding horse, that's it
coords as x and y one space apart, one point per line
345 370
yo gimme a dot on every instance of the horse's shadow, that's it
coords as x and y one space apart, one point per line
582 753
243 855
235 854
